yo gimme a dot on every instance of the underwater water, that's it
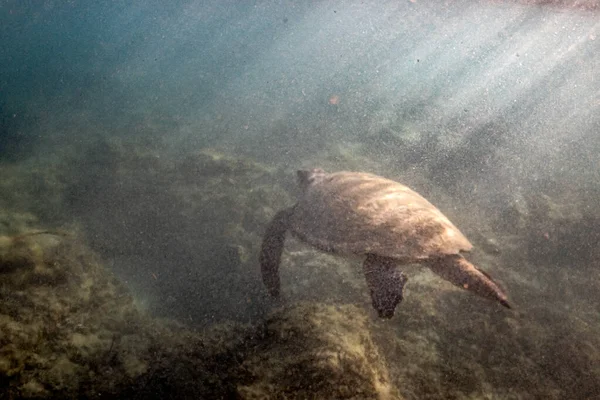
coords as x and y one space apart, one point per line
146 146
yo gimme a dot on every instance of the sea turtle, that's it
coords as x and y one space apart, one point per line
355 213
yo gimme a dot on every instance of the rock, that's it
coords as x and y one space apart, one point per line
317 351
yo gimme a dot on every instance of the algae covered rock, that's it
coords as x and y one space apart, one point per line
69 329
317 351
81 337
54 297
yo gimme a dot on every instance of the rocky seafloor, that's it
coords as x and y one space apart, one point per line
70 330
146 285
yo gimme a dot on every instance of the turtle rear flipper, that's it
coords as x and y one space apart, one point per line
457 270
272 247
385 282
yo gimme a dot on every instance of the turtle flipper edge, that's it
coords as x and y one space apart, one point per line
385 282
271 249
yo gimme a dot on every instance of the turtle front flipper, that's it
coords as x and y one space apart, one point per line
272 247
457 270
385 282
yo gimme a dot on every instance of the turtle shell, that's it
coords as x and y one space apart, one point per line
360 213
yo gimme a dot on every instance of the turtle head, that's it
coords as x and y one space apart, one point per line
307 177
